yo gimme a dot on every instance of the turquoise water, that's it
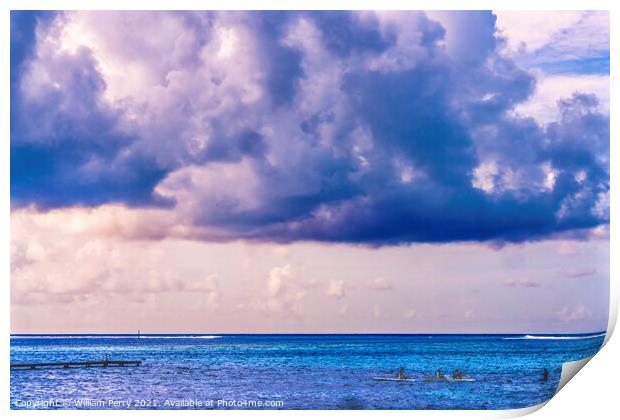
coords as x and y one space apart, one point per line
293 371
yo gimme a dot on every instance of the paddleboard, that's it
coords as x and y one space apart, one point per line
395 379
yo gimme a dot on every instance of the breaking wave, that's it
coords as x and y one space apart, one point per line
555 337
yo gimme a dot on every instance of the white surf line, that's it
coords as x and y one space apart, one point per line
553 337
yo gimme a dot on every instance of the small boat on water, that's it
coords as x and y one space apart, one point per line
395 379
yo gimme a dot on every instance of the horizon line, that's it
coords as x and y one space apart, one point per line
233 334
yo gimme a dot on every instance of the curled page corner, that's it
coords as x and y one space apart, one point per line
569 370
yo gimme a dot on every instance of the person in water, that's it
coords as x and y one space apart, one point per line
401 373
458 374
545 374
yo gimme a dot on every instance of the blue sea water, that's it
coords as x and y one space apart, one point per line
293 371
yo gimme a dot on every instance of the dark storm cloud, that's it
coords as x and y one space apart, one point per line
285 126
65 147
344 33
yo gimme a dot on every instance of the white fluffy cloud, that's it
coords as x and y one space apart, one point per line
284 291
336 289
532 31
380 283
75 270
575 313
543 104
567 34
80 253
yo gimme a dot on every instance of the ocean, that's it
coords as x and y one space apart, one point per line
219 371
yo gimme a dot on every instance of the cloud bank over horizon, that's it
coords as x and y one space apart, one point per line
376 128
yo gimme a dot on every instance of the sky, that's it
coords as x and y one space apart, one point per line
300 172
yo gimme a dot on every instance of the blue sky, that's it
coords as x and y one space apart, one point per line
371 129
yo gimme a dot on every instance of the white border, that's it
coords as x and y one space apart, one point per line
600 383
